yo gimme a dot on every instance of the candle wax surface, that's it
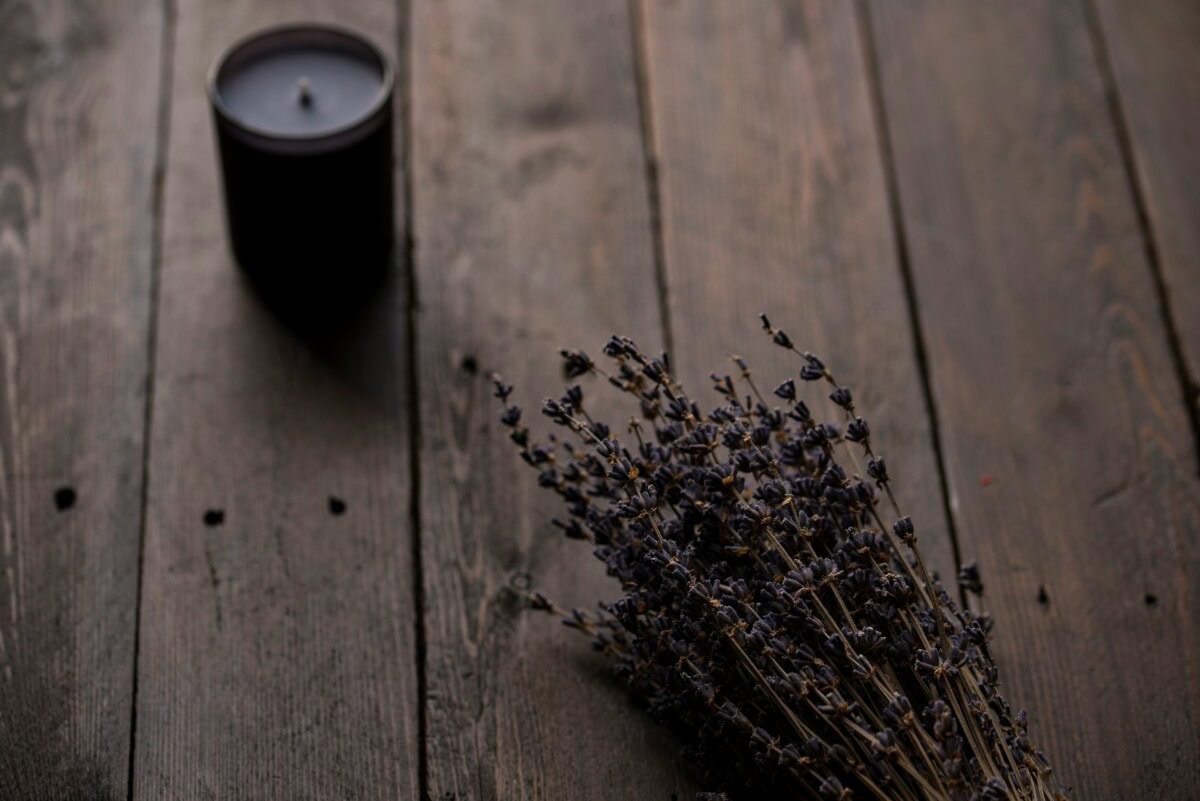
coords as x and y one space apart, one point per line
263 93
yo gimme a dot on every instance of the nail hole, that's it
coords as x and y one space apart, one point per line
214 517
520 581
469 364
336 506
1043 598
64 498
1151 599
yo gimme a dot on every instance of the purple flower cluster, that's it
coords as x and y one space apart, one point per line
773 612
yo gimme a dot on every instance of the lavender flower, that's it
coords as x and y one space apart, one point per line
776 610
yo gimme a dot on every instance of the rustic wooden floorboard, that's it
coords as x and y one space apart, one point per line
79 98
532 231
277 643
1052 377
1153 50
773 200
280 649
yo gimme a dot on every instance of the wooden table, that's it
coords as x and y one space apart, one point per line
240 560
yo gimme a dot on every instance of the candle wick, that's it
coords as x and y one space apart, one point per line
305 91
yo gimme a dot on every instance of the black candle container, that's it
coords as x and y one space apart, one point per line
305 141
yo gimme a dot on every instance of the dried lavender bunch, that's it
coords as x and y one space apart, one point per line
770 613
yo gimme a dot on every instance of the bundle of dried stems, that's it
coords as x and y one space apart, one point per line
776 610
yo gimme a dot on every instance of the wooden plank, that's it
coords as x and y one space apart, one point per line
1052 374
773 199
532 232
277 652
79 99
1153 49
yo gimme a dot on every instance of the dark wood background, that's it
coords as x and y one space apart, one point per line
238 560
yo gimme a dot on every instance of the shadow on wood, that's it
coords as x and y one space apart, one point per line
343 324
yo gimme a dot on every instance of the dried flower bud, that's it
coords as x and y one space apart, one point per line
502 390
969 578
857 430
576 363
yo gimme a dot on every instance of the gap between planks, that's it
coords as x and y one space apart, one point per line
891 182
641 75
407 262
165 80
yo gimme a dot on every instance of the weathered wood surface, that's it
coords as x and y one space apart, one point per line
532 231
1153 49
773 200
281 652
79 98
1052 377
277 643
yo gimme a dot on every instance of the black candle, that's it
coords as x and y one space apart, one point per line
304 127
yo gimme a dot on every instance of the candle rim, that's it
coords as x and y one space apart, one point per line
380 104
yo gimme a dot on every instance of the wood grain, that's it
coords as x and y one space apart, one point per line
532 231
1052 374
277 655
1153 49
79 98
773 199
